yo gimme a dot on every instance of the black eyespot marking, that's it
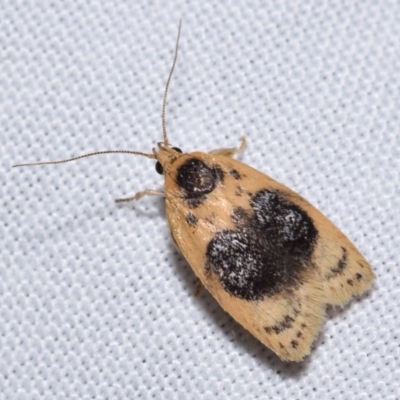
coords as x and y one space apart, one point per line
191 219
286 224
197 179
235 174
281 326
159 167
341 265
268 250
294 344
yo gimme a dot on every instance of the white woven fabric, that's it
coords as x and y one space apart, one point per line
95 302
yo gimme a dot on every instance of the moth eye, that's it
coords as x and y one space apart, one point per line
159 167
197 178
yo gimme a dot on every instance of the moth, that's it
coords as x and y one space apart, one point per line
269 258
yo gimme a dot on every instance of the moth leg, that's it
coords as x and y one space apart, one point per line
230 152
139 195
198 288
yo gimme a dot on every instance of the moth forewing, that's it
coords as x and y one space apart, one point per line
271 259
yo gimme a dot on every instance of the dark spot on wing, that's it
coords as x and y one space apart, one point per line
235 174
340 267
358 277
294 343
285 224
267 251
240 217
303 326
281 326
239 190
191 219
350 282
197 179
299 334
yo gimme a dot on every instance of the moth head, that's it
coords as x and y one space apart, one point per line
165 157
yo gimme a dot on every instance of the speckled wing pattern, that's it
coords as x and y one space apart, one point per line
270 259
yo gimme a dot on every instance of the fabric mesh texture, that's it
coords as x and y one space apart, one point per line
95 302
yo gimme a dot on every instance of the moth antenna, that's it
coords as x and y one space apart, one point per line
164 128
88 155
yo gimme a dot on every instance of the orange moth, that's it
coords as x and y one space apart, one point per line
269 258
